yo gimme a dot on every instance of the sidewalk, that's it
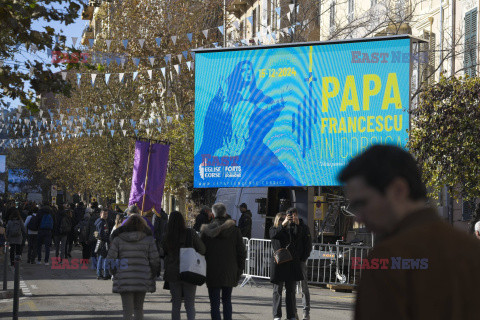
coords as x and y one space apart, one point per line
76 294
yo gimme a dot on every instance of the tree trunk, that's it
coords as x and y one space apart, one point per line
181 200
167 202
123 197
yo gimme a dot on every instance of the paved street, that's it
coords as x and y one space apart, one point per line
77 294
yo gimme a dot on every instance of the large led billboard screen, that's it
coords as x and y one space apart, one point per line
294 115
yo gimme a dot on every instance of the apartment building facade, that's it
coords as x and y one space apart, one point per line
275 21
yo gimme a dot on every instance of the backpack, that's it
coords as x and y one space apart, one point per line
65 226
33 223
15 230
47 222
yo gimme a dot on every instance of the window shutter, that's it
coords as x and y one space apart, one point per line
470 45
466 56
473 43
431 57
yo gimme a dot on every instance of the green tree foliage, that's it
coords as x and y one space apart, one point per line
445 136
102 163
16 20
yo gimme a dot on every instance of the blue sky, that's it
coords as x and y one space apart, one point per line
72 30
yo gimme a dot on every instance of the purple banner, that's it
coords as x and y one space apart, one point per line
155 168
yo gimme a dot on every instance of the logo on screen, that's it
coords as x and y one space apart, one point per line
219 167
201 169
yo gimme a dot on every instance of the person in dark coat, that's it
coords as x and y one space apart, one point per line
82 230
78 213
245 221
178 236
91 239
57 237
15 233
225 258
426 268
45 213
304 247
61 230
103 228
203 217
160 223
71 233
285 233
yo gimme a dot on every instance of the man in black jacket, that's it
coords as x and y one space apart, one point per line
304 248
245 221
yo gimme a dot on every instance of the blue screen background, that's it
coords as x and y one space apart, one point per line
253 130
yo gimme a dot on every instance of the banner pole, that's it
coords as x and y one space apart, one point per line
146 176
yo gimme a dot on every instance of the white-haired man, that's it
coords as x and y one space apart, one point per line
477 230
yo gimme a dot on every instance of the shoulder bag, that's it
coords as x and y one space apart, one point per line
282 255
193 266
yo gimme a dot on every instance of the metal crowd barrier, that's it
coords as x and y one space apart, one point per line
333 263
245 243
327 264
257 264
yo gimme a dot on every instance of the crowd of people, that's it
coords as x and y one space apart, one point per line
386 193
143 242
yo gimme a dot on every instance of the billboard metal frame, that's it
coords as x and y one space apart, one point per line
312 43
414 64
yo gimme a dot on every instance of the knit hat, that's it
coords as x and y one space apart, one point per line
132 209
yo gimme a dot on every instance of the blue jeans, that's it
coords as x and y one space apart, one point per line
214 295
102 264
44 238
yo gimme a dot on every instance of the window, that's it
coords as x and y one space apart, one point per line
470 54
276 17
254 20
332 16
401 7
428 67
316 14
258 19
351 10
269 12
468 209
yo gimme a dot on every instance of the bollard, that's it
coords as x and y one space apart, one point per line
16 287
5 265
